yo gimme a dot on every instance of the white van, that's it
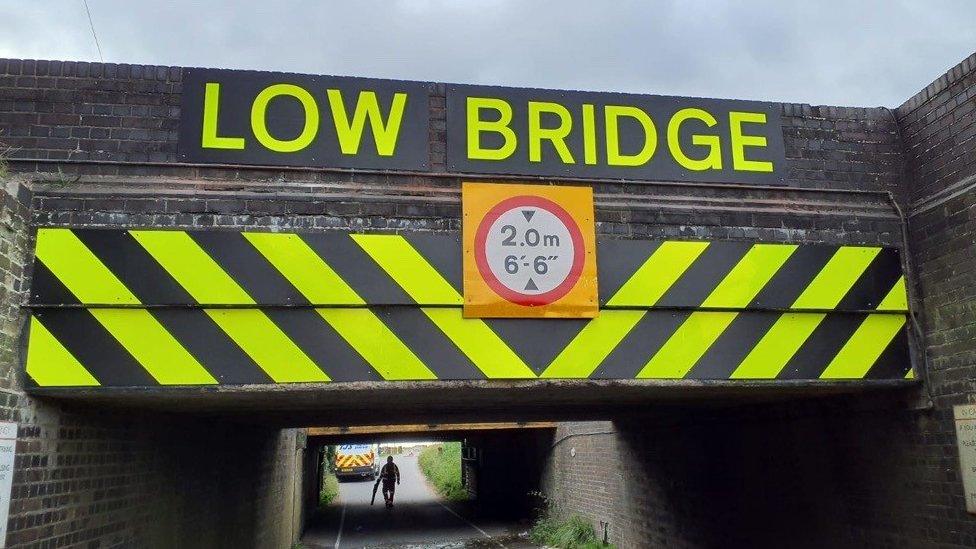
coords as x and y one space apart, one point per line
357 461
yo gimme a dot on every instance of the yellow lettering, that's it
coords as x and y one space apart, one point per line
476 126
556 136
713 161
367 106
259 123
211 106
614 156
740 142
589 135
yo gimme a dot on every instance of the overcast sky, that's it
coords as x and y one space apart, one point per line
863 53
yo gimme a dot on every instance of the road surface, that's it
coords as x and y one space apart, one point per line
419 519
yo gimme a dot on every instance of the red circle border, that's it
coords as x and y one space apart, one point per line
481 259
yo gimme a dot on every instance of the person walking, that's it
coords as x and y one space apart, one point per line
390 476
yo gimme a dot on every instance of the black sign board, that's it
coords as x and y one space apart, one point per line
263 118
613 135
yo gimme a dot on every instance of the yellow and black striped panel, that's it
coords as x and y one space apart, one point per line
354 460
148 307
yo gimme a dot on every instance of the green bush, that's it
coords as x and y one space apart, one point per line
330 489
330 484
441 464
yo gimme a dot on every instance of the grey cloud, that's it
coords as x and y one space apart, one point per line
825 52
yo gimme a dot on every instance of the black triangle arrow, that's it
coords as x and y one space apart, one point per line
530 285
528 214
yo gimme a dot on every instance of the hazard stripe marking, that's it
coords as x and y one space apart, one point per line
590 348
425 285
409 269
835 280
317 282
303 268
784 339
636 265
869 341
144 308
431 345
139 333
661 270
701 329
377 344
481 345
864 347
49 363
251 329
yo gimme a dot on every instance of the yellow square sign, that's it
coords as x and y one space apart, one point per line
529 251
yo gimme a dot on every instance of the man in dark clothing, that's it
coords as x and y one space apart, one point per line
390 475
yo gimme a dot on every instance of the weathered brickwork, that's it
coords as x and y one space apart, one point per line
95 145
831 474
106 478
130 113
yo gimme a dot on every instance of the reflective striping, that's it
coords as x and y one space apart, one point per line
480 344
791 330
590 347
767 359
49 363
661 270
227 265
683 349
267 345
425 285
283 307
79 270
84 275
749 275
311 276
192 268
376 344
896 299
616 345
409 269
870 339
250 329
863 348
303 268
156 349
692 340
836 278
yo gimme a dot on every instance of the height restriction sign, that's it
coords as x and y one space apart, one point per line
529 251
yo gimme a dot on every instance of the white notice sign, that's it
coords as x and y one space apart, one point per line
965 416
8 447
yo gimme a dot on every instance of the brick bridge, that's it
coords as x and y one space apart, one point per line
163 350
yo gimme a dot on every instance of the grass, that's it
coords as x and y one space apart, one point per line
330 489
555 529
441 464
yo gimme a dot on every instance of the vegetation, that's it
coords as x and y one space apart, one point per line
553 529
330 484
330 489
4 167
441 464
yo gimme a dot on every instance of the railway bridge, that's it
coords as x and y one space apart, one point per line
691 321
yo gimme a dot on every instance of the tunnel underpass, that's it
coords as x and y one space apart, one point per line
500 466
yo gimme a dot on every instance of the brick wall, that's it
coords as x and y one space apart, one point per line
840 473
79 111
97 144
106 478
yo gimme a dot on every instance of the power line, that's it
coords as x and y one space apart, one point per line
95 36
